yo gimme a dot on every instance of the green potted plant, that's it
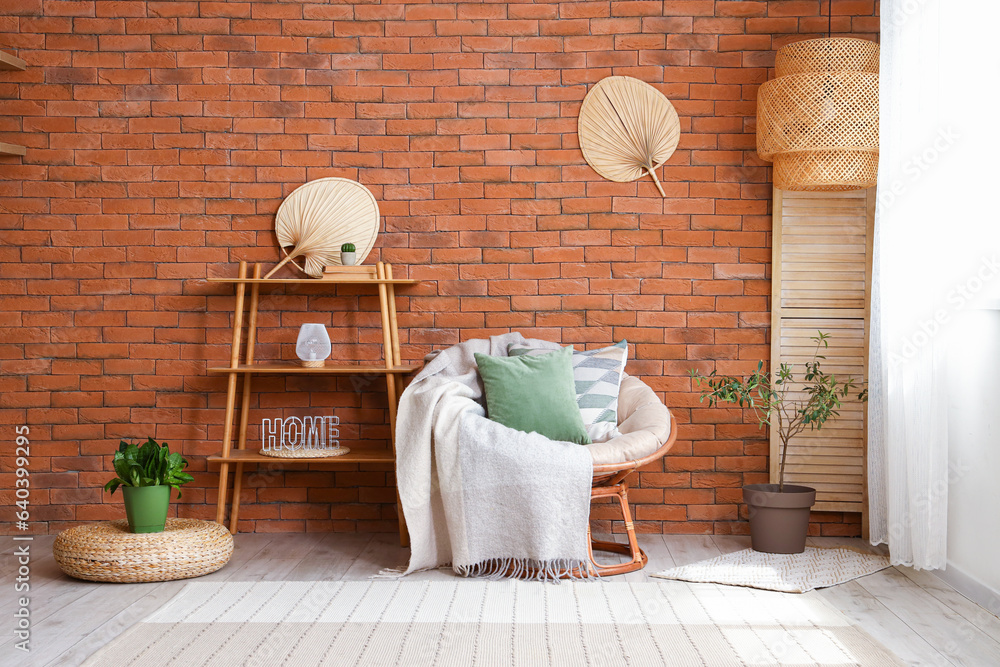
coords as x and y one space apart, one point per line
779 513
347 254
146 474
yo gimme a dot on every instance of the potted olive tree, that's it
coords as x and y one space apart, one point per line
146 474
779 513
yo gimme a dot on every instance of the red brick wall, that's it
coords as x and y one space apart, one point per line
162 136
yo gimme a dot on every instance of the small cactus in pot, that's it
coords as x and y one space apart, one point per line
347 254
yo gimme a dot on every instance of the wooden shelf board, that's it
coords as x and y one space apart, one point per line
334 369
316 281
11 149
253 456
11 62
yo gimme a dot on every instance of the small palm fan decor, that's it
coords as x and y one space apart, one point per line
627 129
319 217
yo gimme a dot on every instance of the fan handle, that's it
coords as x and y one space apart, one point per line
652 172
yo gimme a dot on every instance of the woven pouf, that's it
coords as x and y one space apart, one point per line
108 551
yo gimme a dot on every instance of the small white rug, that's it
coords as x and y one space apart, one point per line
788 573
476 623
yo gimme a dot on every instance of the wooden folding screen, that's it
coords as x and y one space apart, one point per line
821 277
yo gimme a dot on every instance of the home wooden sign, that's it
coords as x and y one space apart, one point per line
301 436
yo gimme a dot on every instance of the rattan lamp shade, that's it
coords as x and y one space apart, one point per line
627 129
818 120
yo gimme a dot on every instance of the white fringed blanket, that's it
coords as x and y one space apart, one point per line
484 498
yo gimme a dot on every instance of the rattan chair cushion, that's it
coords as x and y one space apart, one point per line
644 423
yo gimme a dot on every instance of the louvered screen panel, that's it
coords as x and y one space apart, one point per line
823 250
821 273
831 460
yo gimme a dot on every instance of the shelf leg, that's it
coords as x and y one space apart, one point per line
234 359
390 385
391 354
393 326
220 510
397 359
241 441
234 515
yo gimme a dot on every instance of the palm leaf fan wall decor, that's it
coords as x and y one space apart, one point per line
627 129
320 216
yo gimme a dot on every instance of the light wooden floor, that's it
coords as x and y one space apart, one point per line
914 614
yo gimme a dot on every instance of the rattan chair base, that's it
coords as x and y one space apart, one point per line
108 551
305 453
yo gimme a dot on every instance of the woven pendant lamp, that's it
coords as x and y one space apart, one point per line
818 120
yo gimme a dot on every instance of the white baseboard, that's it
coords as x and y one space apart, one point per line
970 587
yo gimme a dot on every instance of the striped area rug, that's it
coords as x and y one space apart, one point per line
473 623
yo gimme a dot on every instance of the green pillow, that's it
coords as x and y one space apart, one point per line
534 393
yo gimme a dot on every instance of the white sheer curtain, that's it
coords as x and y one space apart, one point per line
937 249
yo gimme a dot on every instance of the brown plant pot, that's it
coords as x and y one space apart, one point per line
779 521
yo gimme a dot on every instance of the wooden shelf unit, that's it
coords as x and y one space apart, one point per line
12 62
393 369
9 63
342 369
314 281
250 456
12 149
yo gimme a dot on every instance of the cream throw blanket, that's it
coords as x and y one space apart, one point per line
484 498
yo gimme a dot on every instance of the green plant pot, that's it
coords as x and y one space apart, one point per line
146 507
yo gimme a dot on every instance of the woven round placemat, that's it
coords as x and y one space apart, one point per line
108 551
304 453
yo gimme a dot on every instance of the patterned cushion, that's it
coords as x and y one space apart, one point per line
598 376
